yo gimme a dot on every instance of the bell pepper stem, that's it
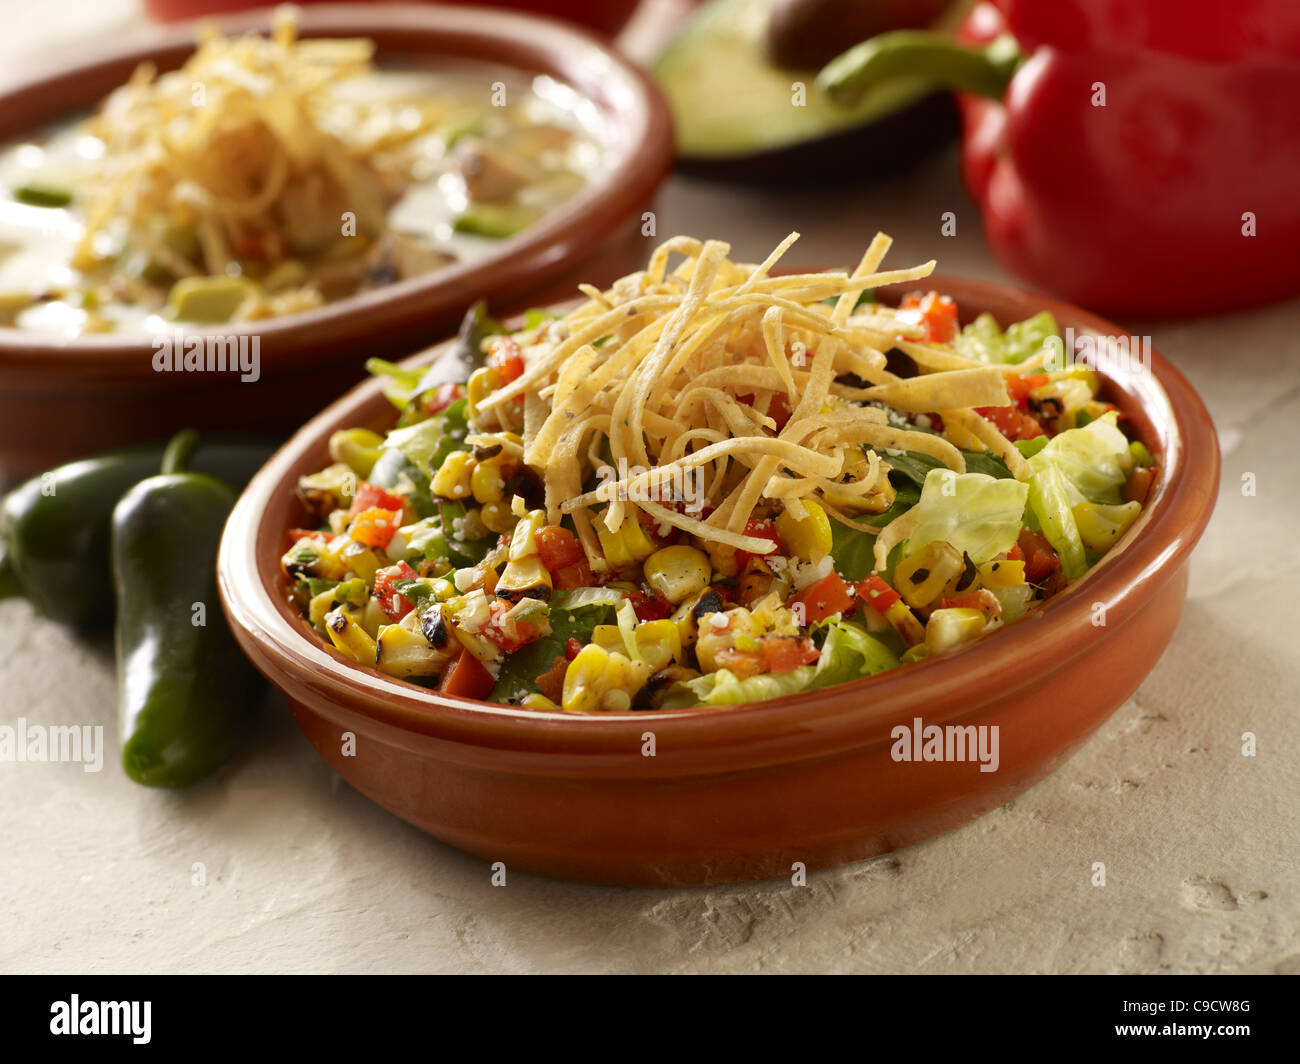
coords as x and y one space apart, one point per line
180 449
926 54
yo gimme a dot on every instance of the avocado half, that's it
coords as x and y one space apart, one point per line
737 119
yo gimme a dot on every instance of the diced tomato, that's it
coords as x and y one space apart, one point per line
781 653
436 401
572 648
759 528
650 606
778 409
392 601
938 315
375 526
295 534
740 663
1040 559
467 677
558 547
505 358
372 495
1015 554
576 575
1012 422
876 592
521 632
1019 387
830 595
983 600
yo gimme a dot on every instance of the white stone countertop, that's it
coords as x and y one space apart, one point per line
304 874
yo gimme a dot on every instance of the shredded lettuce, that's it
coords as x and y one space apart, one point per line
1088 464
849 653
976 513
984 340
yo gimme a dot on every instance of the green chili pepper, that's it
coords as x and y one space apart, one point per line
184 687
54 529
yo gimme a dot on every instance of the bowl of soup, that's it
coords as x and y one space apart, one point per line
214 226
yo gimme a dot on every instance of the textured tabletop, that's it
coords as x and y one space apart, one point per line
276 865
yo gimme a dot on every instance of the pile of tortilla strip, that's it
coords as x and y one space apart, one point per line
669 372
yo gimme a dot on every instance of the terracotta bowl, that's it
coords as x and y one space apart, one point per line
738 793
101 391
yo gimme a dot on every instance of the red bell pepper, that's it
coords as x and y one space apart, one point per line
1136 157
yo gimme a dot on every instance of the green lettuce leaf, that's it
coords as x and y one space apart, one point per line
1078 465
984 340
976 513
519 671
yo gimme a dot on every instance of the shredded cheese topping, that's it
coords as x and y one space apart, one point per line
677 372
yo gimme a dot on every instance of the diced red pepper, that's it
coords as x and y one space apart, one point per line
373 496
876 592
576 575
1040 559
572 648
781 653
375 526
650 606
467 677
1019 387
938 315
436 401
558 547
1138 485
830 595
506 359
983 600
759 528
1012 422
394 604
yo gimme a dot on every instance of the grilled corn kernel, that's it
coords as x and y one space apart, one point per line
877 501
628 546
486 482
525 578
452 481
1100 526
598 681
808 538
403 652
658 643
538 701
922 576
677 573
346 633
477 388
949 628
496 517
1003 573
523 541
358 449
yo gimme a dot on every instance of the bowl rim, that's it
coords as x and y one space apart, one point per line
753 734
636 132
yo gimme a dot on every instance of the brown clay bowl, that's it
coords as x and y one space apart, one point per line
738 793
63 399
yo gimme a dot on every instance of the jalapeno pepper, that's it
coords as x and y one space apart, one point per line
54 529
184 688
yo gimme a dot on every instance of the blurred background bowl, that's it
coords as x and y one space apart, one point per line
61 399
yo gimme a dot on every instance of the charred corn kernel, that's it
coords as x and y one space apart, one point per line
356 557
523 541
601 681
319 606
329 489
968 579
678 572
658 643
373 617
1071 392
921 577
452 481
404 652
905 623
808 538
538 701
1100 526
477 388
949 628
877 501
346 633
467 616
486 482
525 578
628 546
1002 573
496 517
443 589
358 449
716 636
